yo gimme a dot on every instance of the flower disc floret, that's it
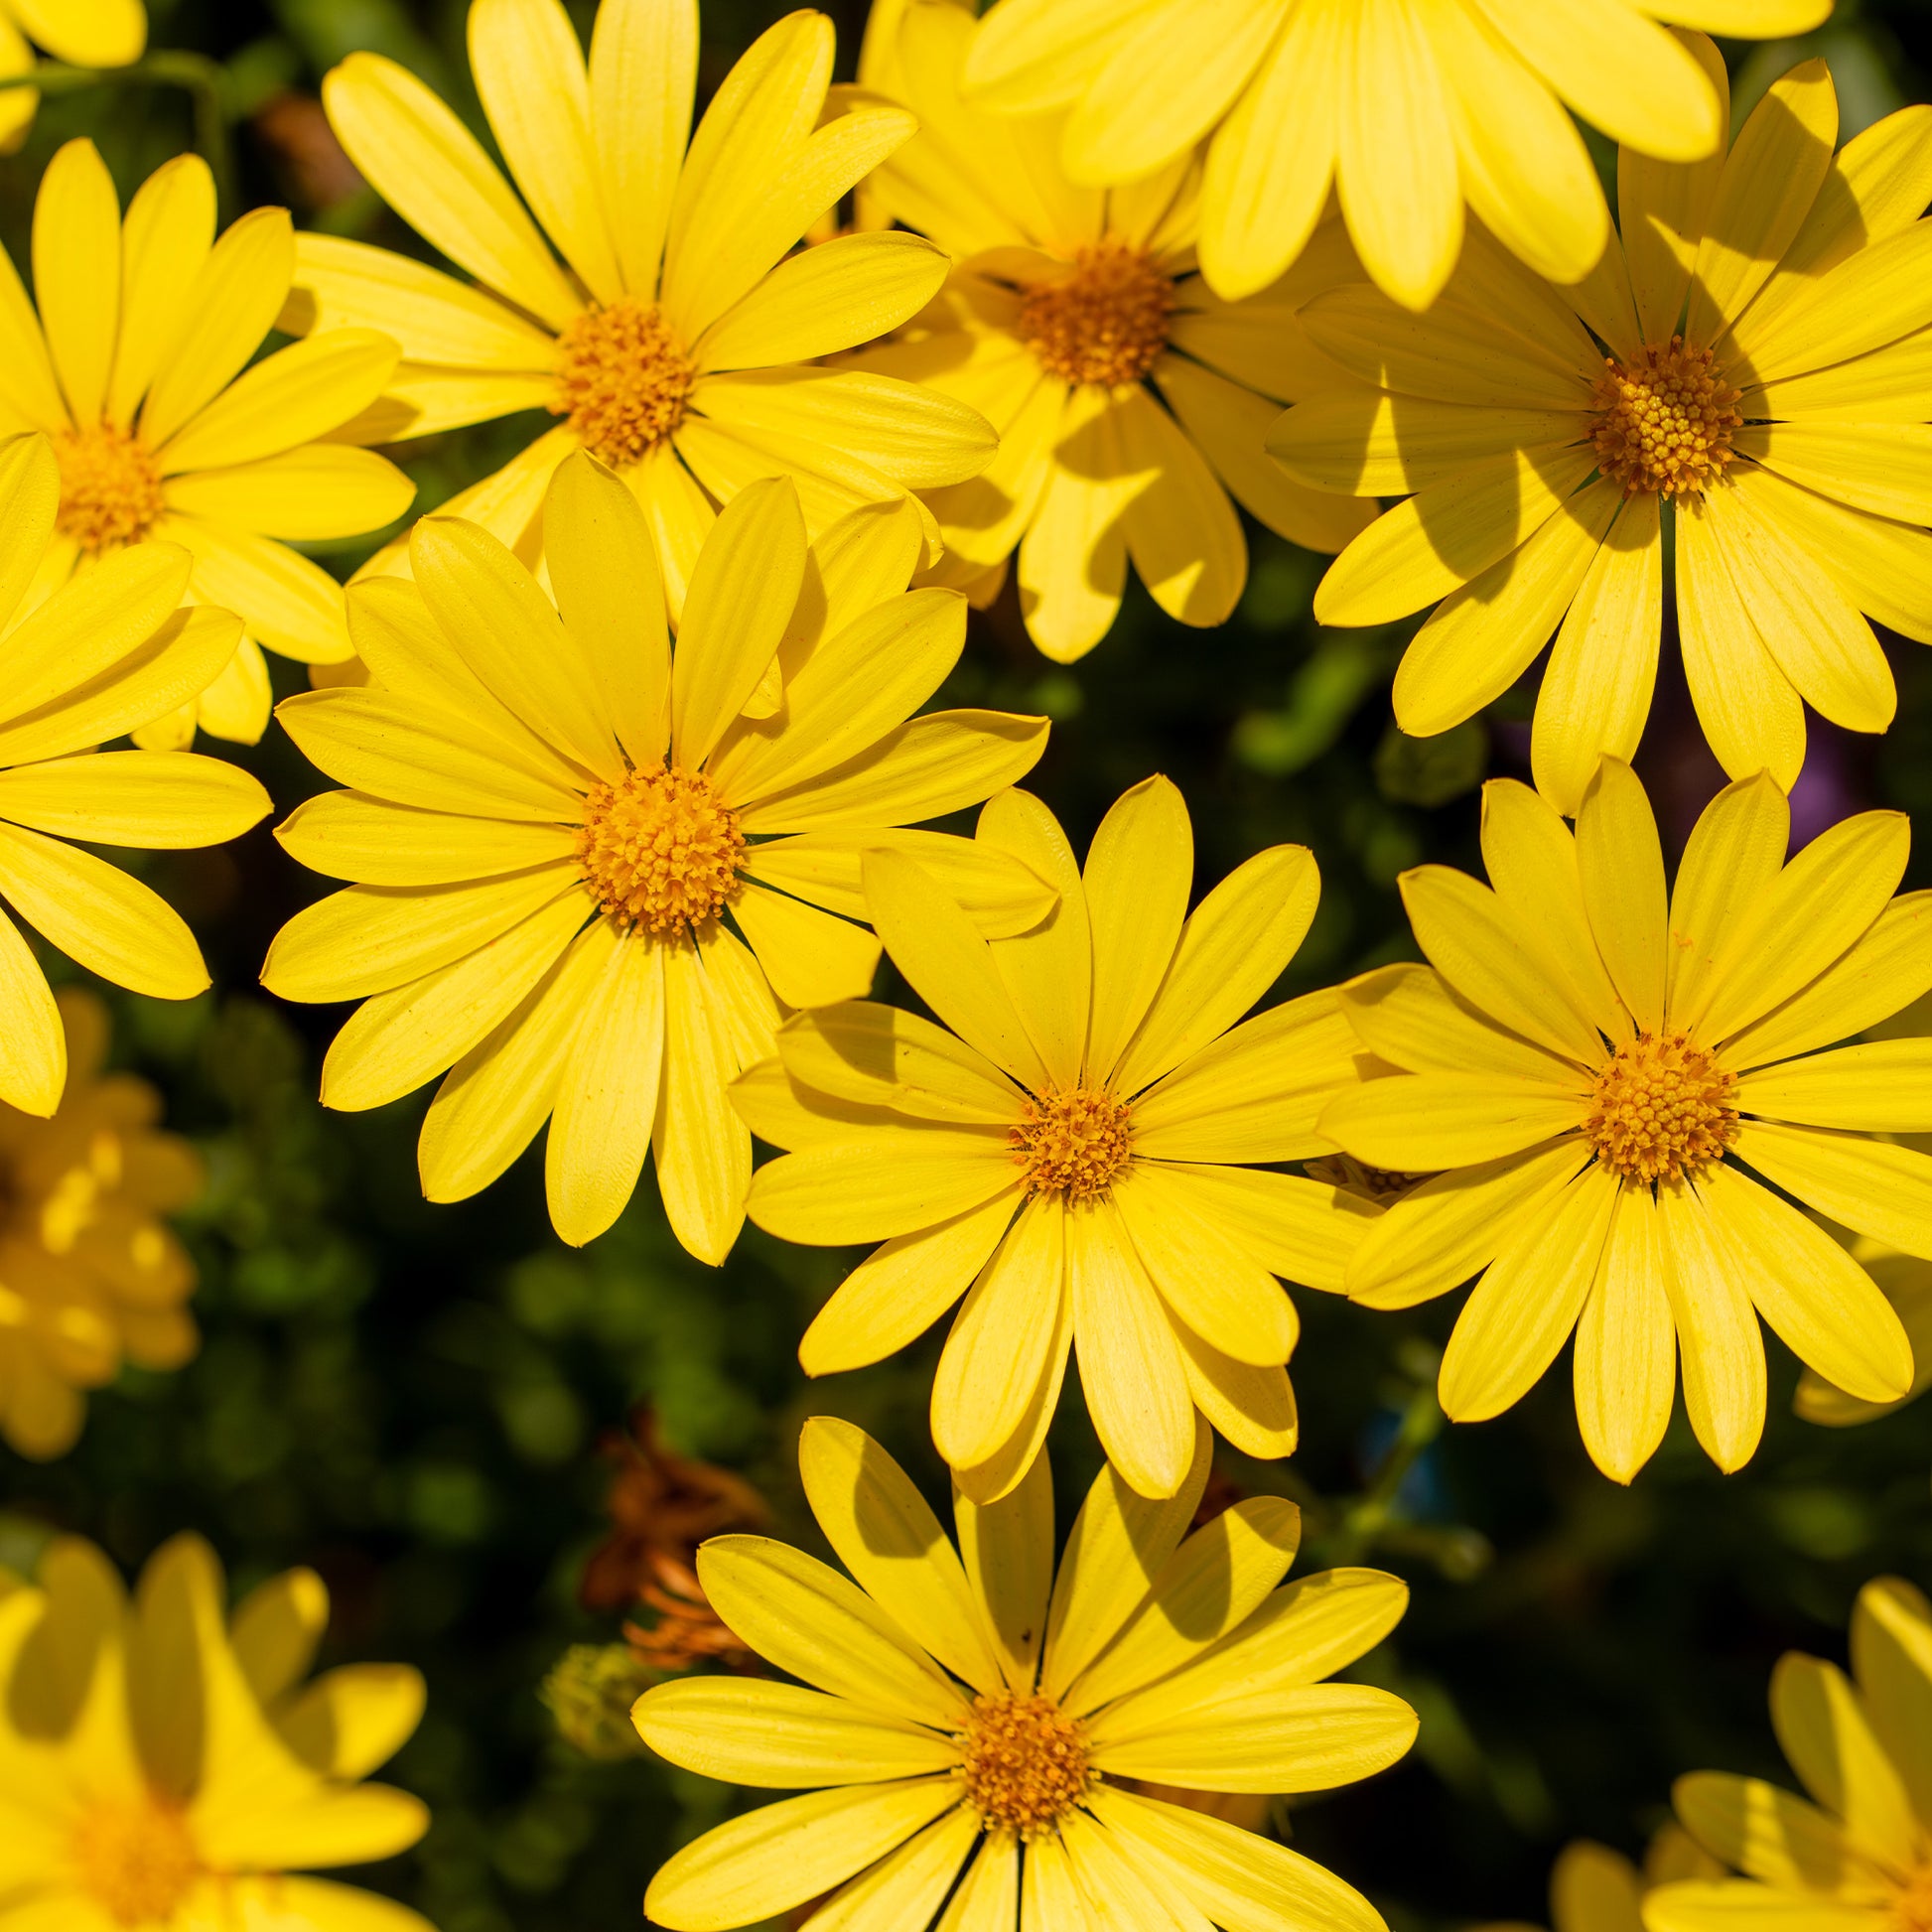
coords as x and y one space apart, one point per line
623 380
660 848
1912 1908
1073 1142
1664 422
110 487
137 1861
1106 323
1662 1109
1024 1762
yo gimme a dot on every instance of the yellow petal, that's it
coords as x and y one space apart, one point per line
1777 1839
138 798
1003 1340
488 1109
96 915
165 244
882 1529
353 1717
1621 863
288 602
1874 1187
907 1886
313 494
29 390
1716 1330
433 172
232 305
1008 1552
606 1095
903 1286
30 500
1823 1306
370 938
1130 1362
77 273
1773 172
1891 1656
1139 869
782 1855
1824 1732
530 77
1521 1312
881 1057
735 615
33 1043
642 72
1301 1230
1626 1345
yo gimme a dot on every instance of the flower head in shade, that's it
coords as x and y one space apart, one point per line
1854 1855
674 338
1603 1075
165 1767
1080 1155
82 33
1408 109
592 875
106 654
983 1718
138 366
1131 402
1596 1889
1735 398
90 1274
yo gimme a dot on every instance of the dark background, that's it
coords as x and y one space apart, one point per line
410 1398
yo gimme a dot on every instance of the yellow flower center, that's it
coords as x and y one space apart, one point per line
661 848
1912 1907
1072 1142
1664 422
1106 323
622 381
1662 1109
137 1861
1025 1763
110 487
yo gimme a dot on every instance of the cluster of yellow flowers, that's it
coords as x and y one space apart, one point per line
639 784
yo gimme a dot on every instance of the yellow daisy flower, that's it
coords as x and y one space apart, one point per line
89 1273
1131 402
162 1767
674 337
986 1723
552 816
1590 1068
82 33
1072 1156
1738 387
1858 1856
106 654
1406 108
137 366
1596 1889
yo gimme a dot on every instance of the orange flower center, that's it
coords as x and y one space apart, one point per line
110 487
622 381
1662 1109
1072 1142
1664 422
136 1860
661 848
1105 322
1912 1907
1024 1762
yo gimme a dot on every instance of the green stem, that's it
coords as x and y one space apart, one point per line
1370 1513
200 77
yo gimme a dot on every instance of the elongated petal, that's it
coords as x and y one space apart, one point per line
1721 1349
872 1188
1626 1346
349 835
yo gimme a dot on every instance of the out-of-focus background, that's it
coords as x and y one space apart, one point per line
419 1401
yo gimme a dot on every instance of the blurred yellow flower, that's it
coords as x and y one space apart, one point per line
1072 1156
1596 1889
108 653
983 1722
675 342
138 366
162 1769
90 1274
83 33
1590 1068
1131 402
1738 387
1857 1857
1406 108
553 815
